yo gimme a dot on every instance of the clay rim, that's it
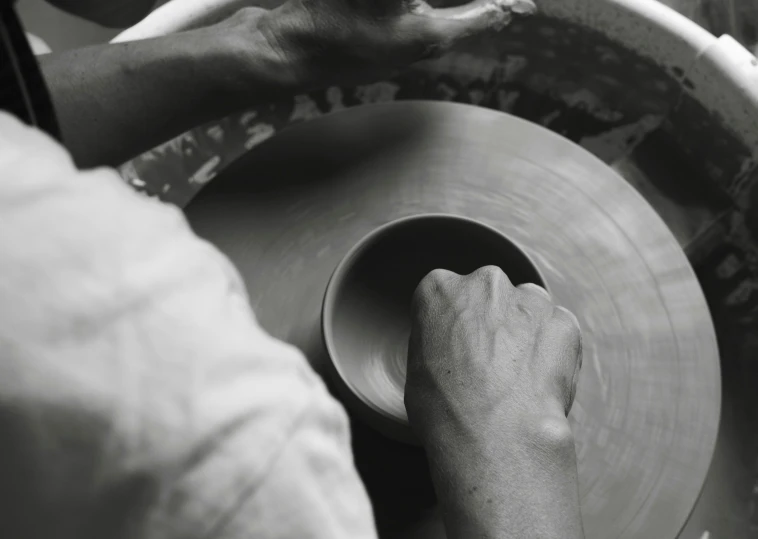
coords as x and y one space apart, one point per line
347 263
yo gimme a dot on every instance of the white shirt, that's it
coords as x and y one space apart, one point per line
138 396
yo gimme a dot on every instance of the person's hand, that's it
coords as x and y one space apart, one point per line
487 358
492 373
338 41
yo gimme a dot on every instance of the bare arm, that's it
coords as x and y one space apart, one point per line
116 101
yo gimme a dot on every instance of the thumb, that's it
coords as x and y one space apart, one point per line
453 23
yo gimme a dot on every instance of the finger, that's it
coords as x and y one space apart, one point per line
474 17
532 288
489 273
431 285
575 382
473 9
564 345
496 284
535 302
567 326
437 279
579 357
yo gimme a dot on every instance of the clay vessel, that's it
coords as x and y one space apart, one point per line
366 312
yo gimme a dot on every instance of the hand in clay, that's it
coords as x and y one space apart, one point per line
485 353
331 40
492 373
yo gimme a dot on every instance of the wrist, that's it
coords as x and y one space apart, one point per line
269 67
545 434
475 479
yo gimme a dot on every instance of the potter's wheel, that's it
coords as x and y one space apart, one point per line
647 408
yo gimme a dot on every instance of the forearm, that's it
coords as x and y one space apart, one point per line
522 488
116 101
183 15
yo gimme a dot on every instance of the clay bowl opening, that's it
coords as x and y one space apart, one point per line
366 313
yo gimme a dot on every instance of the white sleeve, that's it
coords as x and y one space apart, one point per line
138 395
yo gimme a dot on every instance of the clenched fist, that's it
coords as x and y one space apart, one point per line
333 41
492 373
486 356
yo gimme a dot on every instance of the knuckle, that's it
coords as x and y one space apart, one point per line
490 273
568 323
431 283
418 300
440 274
535 301
567 317
535 289
437 278
490 270
493 280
